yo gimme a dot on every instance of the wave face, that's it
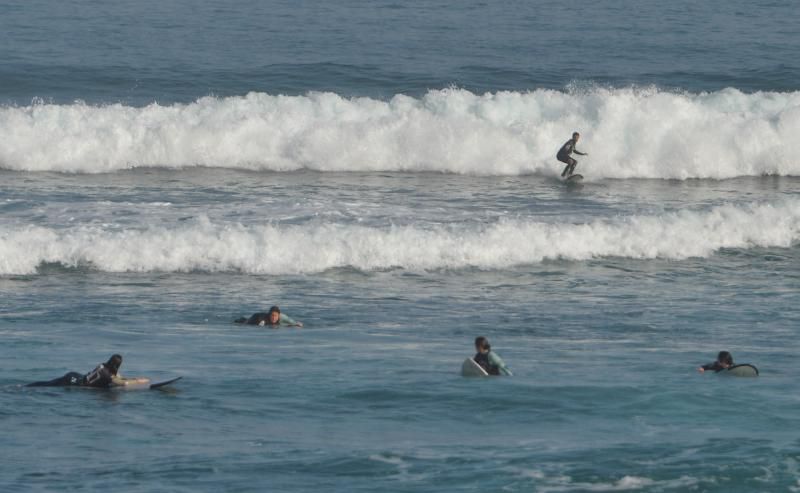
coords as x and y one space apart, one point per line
629 133
269 249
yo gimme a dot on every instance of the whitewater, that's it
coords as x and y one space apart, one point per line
629 133
278 250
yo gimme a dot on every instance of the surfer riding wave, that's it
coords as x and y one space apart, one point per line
565 153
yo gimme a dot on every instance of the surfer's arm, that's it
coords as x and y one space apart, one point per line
497 361
287 320
710 367
576 151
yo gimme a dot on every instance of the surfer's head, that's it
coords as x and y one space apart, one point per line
576 136
482 344
725 359
274 315
113 363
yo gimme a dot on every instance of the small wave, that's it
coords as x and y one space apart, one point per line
626 483
629 133
201 245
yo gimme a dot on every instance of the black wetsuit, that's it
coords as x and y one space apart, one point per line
564 156
715 366
483 361
263 318
99 377
260 318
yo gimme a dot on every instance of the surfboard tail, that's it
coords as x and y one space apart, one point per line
165 383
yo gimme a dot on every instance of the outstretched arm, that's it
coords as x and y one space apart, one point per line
287 320
715 366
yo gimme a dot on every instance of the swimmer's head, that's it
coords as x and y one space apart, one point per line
482 344
274 315
725 358
113 363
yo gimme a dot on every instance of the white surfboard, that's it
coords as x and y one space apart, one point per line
472 369
145 385
744 370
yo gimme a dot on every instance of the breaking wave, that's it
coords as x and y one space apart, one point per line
286 249
629 133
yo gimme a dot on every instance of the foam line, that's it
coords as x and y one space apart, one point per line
312 248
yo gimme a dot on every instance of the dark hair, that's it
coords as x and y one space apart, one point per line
575 133
482 343
113 363
274 309
725 357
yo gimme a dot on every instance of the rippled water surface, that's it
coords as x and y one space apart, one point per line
385 173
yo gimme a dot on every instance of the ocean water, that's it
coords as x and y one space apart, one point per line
385 172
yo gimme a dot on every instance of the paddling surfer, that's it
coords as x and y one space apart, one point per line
273 318
724 361
105 375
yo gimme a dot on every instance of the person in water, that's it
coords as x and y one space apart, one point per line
105 375
565 153
273 318
724 361
488 359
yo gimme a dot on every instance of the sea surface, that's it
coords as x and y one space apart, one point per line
385 172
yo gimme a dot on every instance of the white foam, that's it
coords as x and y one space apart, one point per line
626 483
279 249
644 133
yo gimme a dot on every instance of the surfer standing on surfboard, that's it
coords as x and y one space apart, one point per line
564 155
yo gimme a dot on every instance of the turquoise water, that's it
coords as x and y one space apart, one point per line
385 174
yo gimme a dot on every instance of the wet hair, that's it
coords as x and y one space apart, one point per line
575 134
725 357
482 343
274 308
113 363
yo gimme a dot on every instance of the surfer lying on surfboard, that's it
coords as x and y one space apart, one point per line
273 318
488 359
564 155
724 361
105 375
724 366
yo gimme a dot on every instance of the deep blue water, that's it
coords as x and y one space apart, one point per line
181 50
384 172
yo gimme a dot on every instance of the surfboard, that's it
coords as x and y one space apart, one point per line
573 179
165 383
130 386
472 369
145 386
743 370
